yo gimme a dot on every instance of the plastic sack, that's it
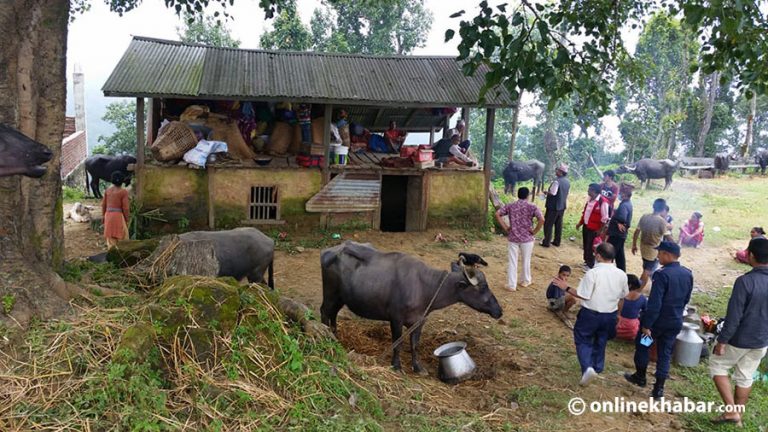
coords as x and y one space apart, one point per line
199 154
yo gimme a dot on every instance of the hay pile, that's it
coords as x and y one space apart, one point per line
199 354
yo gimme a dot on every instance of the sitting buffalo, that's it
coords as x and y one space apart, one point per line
397 288
761 159
241 252
723 162
649 169
20 154
101 167
518 171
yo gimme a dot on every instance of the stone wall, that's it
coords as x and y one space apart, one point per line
180 193
74 150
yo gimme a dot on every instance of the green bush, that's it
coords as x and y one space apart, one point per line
72 194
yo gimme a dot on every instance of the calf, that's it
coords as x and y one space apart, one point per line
397 288
20 154
80 213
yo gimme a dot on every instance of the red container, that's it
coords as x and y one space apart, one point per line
407 151
309 161
423 156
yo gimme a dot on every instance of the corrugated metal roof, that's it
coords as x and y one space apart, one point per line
162 68
347 192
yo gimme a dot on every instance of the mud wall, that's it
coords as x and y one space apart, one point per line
455 198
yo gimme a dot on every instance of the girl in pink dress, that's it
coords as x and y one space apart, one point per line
692 231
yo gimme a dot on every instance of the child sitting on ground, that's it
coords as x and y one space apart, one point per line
630 309
557 299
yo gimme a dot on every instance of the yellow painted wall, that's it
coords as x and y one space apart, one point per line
231 188
455 198
179 192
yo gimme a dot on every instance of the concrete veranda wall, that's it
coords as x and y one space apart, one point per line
455 198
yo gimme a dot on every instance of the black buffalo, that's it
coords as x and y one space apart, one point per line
518 171
649 169
101 167
761 159
722 162
397 288
241 252
20 154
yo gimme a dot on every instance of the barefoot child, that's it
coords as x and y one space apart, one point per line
630 309
557 299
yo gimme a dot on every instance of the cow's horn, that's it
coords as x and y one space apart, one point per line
472 279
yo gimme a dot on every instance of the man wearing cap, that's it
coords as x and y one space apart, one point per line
663 317
744 339
555 205
600 291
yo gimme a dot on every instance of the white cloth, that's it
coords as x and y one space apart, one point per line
456 152
602 288
199 155
526 249
744 362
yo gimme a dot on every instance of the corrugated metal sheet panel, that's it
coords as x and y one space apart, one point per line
347 192
153 67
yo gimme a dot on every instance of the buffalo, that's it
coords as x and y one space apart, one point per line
649 169
101 167
20 154
722 162
518 171
397 288
761 159
241 252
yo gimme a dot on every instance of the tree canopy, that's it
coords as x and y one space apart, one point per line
207 30
122 116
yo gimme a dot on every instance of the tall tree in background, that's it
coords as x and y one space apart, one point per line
372 27
288 32
710 90
206 30
122 116
665 53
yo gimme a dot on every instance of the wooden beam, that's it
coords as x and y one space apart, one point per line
327 143
446 123
410 117
431 136
140 130
490 120
151 113
465 117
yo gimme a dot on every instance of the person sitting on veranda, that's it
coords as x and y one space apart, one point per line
692 231
459 129
448 150
742 256
394 137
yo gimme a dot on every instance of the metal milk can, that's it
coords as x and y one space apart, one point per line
688 346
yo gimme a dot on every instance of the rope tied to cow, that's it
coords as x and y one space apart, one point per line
423 317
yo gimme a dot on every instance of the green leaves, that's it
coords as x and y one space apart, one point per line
449 34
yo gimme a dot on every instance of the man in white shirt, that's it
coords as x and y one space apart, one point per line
600 290
449 151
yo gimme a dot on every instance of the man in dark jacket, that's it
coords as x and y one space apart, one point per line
742 342
619 225
557 200
663 317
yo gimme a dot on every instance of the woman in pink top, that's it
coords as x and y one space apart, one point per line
520 233
692 232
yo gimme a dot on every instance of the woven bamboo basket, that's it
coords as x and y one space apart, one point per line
177 139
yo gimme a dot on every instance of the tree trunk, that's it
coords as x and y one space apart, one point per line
32 99
515 120
750 127
709 106
550 141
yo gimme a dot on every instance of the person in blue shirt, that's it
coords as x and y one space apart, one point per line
557 300
630 310
663 318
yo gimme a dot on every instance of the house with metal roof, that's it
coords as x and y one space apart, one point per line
419 93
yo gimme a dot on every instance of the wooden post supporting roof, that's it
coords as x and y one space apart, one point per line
140 130
327 143
465 117
490 120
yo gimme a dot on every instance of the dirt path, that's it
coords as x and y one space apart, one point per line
79 239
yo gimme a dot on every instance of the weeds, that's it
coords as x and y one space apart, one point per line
9 300
71 194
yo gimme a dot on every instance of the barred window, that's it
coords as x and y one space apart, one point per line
263 204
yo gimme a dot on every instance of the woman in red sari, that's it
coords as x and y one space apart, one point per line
692 232
116 211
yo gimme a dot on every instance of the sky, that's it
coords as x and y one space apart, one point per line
98 38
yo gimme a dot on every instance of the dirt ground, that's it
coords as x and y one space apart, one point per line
527 368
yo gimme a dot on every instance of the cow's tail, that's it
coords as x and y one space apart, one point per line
271 274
